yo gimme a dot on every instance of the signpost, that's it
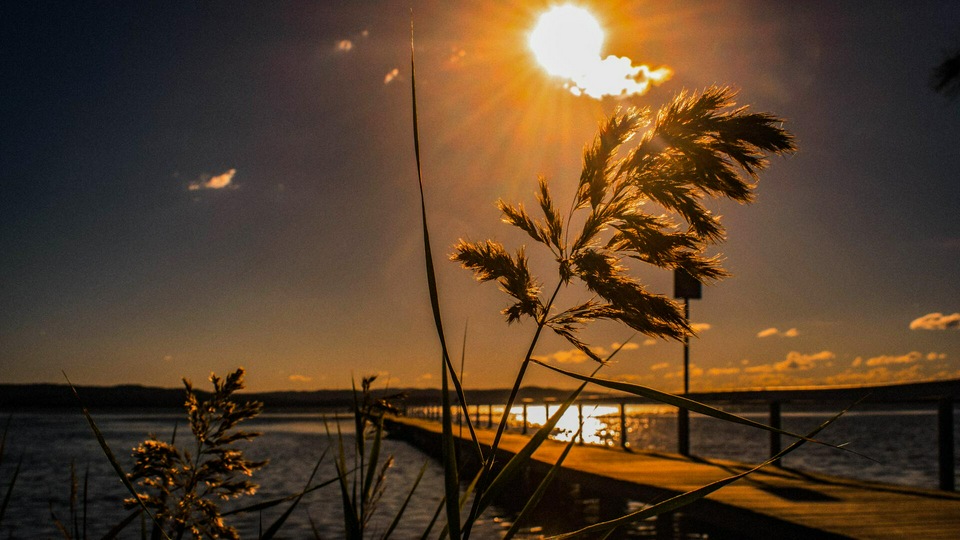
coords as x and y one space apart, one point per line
685 286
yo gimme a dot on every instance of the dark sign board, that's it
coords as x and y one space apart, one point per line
685 285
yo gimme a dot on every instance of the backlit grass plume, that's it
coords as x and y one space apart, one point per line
182 486
643 203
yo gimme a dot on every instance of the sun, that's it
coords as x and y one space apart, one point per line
567 41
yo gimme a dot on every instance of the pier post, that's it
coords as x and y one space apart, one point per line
683 432
775 422
945 441
623 424
489 415
477 415
580 418
524 418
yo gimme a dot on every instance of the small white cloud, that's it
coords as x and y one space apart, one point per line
885 360
168 358
936 321
649 341
299 378
936 356
626 346
659 366
793 332
700 327
571 356
391 76
802 362
219 181
344 45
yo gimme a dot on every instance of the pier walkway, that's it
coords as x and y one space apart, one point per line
772 503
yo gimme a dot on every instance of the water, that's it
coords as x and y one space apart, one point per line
50 442
900 445
902 442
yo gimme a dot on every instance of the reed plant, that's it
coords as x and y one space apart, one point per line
182 485
640 197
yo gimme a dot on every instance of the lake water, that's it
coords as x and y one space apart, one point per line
50 442
903 444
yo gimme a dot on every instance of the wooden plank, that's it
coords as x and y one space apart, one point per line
830 506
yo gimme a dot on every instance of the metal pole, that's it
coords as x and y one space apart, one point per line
945 440
686 349
683 415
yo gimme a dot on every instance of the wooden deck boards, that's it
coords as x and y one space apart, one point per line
835 506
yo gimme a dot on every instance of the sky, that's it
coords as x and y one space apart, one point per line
190 187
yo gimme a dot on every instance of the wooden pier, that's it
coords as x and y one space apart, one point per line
771 503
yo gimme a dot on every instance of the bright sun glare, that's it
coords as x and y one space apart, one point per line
568 40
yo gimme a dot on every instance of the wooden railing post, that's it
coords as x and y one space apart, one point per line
775 422
945 442
683 432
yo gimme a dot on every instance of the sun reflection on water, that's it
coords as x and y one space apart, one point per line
601 423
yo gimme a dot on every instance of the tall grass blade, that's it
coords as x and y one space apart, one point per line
112 458
433 520
518 461
3 438
86 494
521 458
682 402
275 527
313 527
403 507
119 527
260 506
74 487
520 374
534 499
428 254
58 524
9 493
351 521
372 463
360 444
451 481
694 495
463 501
16 471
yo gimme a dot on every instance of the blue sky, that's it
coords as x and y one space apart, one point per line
188 188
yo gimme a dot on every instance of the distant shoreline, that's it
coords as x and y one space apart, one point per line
59 396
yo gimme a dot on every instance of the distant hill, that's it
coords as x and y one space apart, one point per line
59 396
